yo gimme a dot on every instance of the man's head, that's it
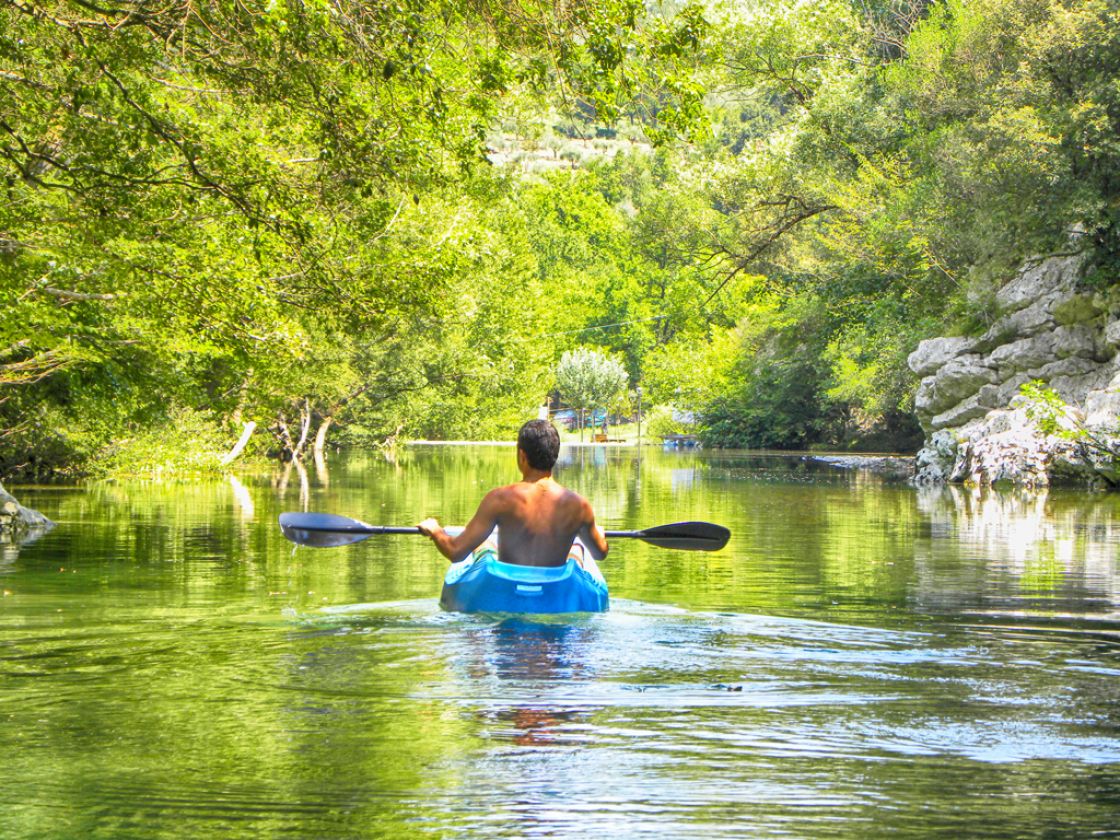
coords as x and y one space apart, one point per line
540 442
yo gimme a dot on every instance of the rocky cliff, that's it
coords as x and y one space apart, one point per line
1051 328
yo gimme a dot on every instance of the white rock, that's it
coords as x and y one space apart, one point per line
1024 354
960 414
1040 279
1111 335
935 352
1102 409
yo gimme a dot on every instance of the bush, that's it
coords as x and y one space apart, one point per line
189 442
661 423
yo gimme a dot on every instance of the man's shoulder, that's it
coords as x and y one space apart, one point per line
505 494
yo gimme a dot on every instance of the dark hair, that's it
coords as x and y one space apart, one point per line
540 442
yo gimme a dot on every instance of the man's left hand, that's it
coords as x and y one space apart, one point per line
429 526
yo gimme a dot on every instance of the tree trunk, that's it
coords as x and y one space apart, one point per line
305 427
321 436
242 442
242 397
285 436
295 448
320 455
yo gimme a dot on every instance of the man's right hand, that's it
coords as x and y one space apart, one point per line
429 526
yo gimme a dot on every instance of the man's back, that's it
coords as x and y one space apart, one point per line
538 522
537 518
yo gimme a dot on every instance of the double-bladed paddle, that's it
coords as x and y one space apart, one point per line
325 530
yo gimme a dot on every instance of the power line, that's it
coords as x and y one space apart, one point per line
601 326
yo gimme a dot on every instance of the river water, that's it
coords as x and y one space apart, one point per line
863 659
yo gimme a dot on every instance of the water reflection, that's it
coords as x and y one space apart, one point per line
1052 550
536 649
862 659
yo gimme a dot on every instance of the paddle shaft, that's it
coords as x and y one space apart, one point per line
376 530
325 530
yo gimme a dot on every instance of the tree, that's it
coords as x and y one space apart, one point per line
228 209
590 379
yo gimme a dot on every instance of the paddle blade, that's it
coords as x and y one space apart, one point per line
324 530
689 536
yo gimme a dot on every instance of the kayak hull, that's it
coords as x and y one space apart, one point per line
482 583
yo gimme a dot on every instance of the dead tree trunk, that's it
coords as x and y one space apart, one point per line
305 427
242 442
294 448
321 436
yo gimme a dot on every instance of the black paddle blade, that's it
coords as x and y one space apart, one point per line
689 536
323 530
326 530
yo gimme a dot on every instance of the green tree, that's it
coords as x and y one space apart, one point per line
590 379
221 209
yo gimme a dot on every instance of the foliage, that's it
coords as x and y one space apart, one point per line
264 209
897 175
590 379
665 420
1053 417
1050 413
287 212
775 399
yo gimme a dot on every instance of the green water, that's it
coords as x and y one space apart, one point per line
862 660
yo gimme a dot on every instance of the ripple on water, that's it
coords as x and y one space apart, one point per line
721 687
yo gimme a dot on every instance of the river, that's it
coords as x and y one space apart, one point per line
862 659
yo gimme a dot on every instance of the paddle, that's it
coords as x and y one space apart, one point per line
325 530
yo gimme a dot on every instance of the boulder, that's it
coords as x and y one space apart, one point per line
1102 408
1023 354
961 413
934 461
933 353
969 398
1054 277
1111 335
956 381
17 523
1033 320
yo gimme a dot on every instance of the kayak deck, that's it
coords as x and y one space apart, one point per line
483 583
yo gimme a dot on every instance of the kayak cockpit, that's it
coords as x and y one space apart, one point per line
483 583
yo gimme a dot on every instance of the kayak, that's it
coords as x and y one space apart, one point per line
483 583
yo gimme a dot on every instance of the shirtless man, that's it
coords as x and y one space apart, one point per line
538 520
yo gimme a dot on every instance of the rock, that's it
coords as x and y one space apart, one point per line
991 396
961 413
1024 354
1102 408
934 461
955 382
1052 277
969 399
892 466
1081 341
1111 335
933 353
17 523
924 398
1033 320
1077 309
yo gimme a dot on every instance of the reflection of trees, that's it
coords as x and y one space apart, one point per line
804 537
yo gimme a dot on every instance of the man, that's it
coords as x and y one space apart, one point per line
538 520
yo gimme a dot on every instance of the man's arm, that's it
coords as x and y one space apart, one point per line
591 534
471 537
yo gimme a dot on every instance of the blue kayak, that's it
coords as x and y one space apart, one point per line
483 583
